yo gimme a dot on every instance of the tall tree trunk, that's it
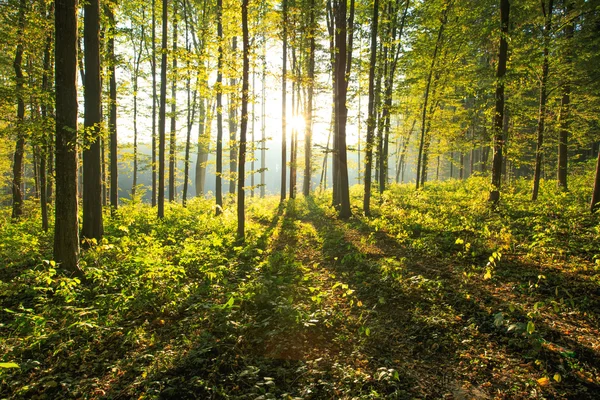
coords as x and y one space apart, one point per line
114 179
343 45
219 86
232 121
241 198
173 135
423 143
162 117
17 193
252 138
564 107
204 121
44 193
309 102
66 228
499 112
284 6
371 111
263 127
136 74
153 72
543 99
92 227
293 154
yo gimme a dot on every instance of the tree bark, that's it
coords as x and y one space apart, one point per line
309 102
66 229
595 203
241 195
17 192
232 121
371 111
284 6
173 133
162 112
153 72
499 111
543 99
219 87
564 108
112 120
92 227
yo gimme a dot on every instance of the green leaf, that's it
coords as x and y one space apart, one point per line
9 365
368 332
530 327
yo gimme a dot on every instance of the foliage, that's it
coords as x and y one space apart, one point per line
413 302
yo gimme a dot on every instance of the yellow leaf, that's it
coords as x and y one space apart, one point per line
488 275
557 377
543 381
359 303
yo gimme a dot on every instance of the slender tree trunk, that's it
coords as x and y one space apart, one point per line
219 87
17 192
191 115
114 180
243 125
232 121
263 137
92 227
136 73
44 193
66 229
204 121
153 72
284 6
162 117
564 108
293 153
173 135
253 143
499 113
371 117
543 97
309 103
423 146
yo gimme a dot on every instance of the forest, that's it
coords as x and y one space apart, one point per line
300 199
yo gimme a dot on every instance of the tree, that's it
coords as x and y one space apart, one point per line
309 101
17 193
343 61
499 110
219 88
371 115
173 135
153 72
565 102
595 203
244 124
284 7
92 227
66 229
232 122
112 119
162 112
543 98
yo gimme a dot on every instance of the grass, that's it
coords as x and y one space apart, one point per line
435 296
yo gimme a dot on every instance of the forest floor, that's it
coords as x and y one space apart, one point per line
433 297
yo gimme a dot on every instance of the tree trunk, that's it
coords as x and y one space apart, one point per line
499 113
162 120
92 227
309 102
543 98
564 108
153 72
371 111
114 180
263 137
243 125
343 57
232 121
173 135
423 146
17 193
190 121
284 6
219 87
203 147
66 229
44 193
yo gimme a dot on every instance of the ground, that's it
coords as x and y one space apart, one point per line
434 296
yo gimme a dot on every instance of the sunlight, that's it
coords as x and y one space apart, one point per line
298 123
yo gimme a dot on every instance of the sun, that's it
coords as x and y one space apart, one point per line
297 123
